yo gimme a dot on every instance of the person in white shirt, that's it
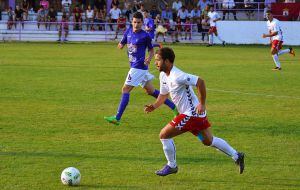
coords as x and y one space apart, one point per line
66 5
176 5
115 13
193 116
213 17
89 16
183 14
276 39
229 6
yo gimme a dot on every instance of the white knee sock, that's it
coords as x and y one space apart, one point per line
223 146
170 151
211 39
283 51
276 60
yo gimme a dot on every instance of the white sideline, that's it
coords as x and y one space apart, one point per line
253 94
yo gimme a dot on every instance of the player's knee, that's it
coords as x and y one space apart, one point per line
207 141
163 135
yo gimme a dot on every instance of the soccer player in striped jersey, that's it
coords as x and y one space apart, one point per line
137 41
192 117
276 38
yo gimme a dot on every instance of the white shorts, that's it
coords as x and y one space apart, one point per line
137 77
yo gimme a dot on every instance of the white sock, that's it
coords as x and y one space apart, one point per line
170 151
210 39
276 60
223 146
283 51
219 38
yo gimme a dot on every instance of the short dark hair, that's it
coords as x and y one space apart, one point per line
138 15
268 12
166 53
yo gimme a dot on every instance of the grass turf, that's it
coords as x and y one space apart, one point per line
53 99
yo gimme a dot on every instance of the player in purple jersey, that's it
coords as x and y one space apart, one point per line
150 27
137 41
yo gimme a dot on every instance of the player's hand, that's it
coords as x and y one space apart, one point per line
264 35
201 109
147 61
120 46
149 108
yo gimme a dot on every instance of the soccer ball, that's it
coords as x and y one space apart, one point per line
70 176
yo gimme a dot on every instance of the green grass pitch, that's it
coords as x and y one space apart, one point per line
54 97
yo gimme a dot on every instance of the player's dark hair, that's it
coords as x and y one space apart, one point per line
166 53
268 12
138 15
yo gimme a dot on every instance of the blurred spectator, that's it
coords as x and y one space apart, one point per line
179 27
175 7
229 6
19 16
100 4
196 13
167 14
149 24
142 8
66 7
63 28
10 21
52 17
171 27
89 16
77 18
114 13
25 7
41 17
44 4
249 6
121 25
204 27
115 3
99 18
203 3
161 4
154 12
182 14
188 28
127 11
160 29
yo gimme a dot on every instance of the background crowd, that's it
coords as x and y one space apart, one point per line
169 15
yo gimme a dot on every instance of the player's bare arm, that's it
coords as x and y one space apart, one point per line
159 101
201 95
217 19
269 35
150 56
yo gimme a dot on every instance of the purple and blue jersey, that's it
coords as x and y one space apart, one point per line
149 22
137 43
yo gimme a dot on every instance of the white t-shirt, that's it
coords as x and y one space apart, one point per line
90 14
274 26
66 4
176 6
115 13
182 14
213 16
179 85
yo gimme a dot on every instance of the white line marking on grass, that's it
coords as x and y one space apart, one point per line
253 94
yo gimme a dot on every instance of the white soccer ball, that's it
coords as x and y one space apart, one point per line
70 176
